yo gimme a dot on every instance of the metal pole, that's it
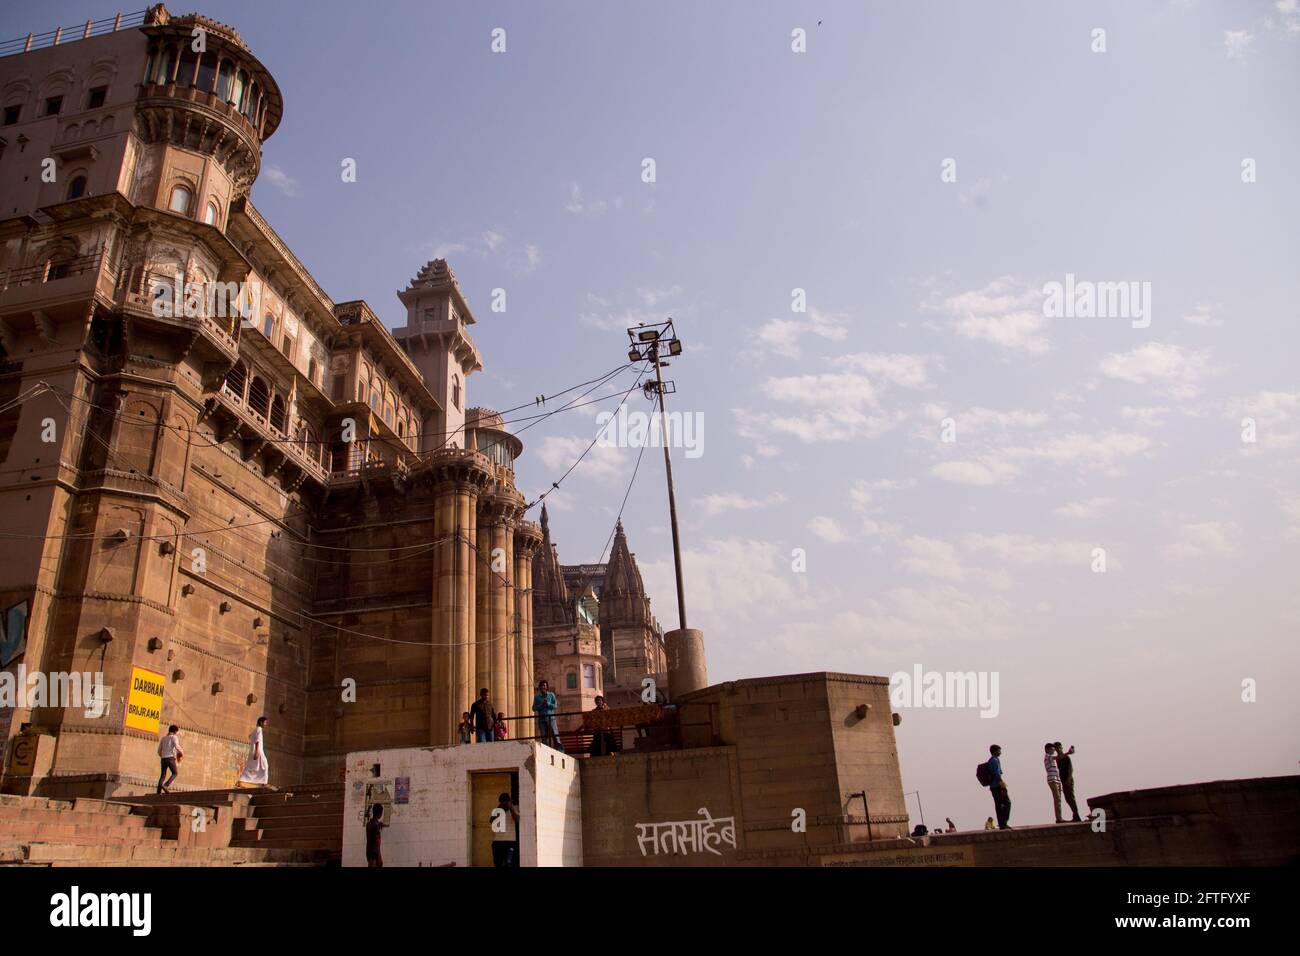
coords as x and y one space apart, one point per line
672 497
917 794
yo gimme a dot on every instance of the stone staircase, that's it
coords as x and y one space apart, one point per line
37 831
307 818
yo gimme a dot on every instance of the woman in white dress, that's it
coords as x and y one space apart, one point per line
257 771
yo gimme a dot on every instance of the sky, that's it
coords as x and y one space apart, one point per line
921 172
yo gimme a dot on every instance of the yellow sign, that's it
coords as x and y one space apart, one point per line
144 703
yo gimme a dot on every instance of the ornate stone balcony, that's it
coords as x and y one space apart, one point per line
137 292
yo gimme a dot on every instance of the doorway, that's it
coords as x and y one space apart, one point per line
485 789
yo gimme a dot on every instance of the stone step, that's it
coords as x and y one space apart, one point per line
14 815
41 803
329 833
297 843
56 830
271 811
91 805
302 795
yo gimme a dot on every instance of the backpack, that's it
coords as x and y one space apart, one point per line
984 774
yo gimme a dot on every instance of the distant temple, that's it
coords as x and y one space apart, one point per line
593 631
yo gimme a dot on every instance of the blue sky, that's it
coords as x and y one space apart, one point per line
821 171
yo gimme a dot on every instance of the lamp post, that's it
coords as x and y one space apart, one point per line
656 335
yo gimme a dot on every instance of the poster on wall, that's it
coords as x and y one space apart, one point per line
144 703
13 633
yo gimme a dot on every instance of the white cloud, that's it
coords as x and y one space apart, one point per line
604 463
903 370
713 505
1152 416
1005 312
282 181
1276 416
579 205
1205 314
732 581
652 297
979 473
1238 43
1101 452
1169 369
1205 539
929 556
1087 508
1028 550
785 336
828 529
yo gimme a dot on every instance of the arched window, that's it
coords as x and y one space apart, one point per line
207 72
77 188
180 200
224 76
236 380
210 214
166 64
388 415
277 414
259 397
237 91
268 325
189 63
375 399
571 680
455 391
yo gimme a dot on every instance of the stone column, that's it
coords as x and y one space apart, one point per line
528 538
458 478
498 514
483 610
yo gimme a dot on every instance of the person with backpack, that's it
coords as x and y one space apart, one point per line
989 775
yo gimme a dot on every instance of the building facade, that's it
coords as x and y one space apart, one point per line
209 468
593 631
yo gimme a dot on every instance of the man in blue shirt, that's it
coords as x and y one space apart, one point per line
1001 800
548 731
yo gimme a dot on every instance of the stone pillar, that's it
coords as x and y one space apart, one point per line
686 670
498 514
528 538
501 575
458 478
483 620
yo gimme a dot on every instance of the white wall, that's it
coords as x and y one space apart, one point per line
558 810
433 828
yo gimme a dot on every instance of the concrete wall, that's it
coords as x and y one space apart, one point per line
654 788
784 756
434 827
558 812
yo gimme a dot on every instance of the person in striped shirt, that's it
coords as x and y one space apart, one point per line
1053 778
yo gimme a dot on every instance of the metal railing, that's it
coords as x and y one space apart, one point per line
142 288
52 270
81 31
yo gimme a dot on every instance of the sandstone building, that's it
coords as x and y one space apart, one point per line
208 466
593 630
